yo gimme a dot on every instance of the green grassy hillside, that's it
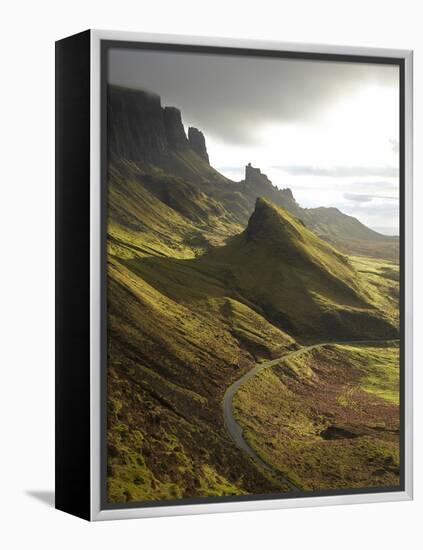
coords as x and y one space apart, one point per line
184 327
285 273
302 283
168 366
328 418
205 280
170 359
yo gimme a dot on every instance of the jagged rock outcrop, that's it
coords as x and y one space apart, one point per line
198 143
258 184
175 131
136 129
141 130
288 193
254 175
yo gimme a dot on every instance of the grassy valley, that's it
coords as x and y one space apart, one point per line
328 418
208 278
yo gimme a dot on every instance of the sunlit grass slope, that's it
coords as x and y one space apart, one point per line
194 301
286 274
170 360
168 367
328 418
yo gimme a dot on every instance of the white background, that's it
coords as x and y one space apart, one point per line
27 37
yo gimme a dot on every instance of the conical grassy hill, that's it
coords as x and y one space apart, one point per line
285 273
298 281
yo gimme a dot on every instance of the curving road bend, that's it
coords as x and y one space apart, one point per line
235 430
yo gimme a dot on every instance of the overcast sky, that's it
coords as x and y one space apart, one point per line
327 130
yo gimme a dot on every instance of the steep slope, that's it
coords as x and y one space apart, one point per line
345 232
301 282
217 315
168 366
171 358
285 273
198 143
163 214
136 128
326 222
141 131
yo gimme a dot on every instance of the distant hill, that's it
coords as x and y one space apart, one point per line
300 282
329 223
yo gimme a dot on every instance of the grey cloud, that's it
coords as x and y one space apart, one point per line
230 96
366 198
378 186
363 187
357 208
357 197
340 171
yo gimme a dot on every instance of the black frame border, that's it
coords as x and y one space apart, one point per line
72 275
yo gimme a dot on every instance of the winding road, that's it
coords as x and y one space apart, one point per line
233 427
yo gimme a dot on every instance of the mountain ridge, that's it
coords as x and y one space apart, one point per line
299 277
154 138
282 271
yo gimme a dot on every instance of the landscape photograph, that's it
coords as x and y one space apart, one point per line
253 276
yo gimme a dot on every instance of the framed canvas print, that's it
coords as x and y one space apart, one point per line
233 275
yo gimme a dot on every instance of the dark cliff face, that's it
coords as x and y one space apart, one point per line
141 130
198 143
254 176
258 184
136 129
175 132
